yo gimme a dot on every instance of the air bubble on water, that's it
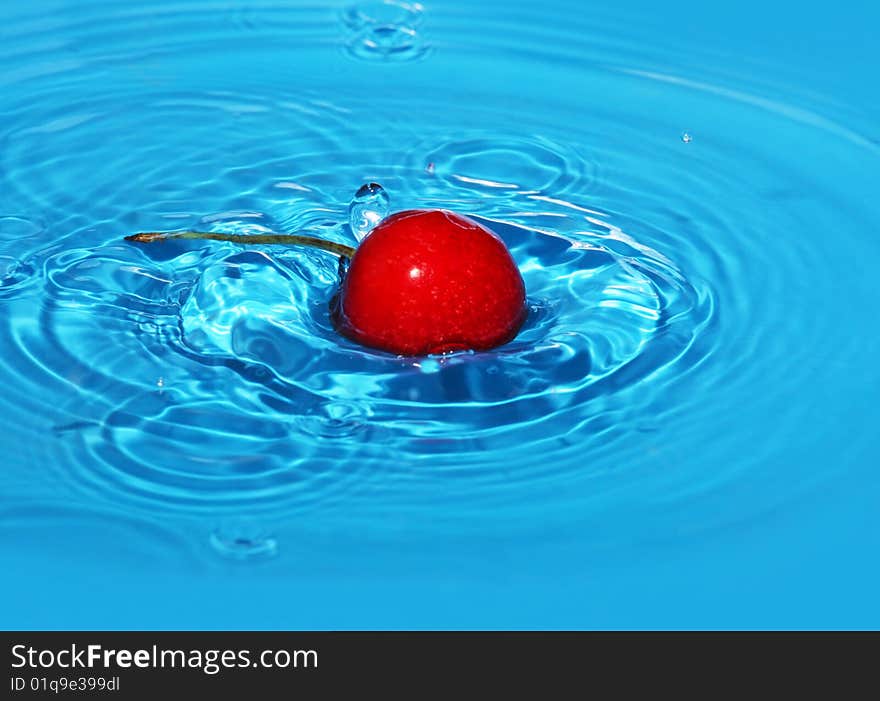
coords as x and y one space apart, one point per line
369 207
686 137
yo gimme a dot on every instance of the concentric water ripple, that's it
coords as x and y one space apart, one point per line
669 279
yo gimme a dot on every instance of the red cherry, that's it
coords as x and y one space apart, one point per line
430 281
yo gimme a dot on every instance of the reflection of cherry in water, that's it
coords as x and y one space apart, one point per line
422 281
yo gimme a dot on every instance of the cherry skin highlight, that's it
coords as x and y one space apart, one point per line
430 281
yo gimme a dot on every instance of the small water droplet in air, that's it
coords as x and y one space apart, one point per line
686 137
160 382
369 207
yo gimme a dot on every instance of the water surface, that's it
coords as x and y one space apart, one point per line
681 435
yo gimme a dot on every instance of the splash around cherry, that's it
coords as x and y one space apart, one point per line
421 282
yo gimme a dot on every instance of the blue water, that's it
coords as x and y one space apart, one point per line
682 435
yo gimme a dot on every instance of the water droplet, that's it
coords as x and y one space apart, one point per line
686 137
14 276
429 366
160 382
242 541
369 207
382 12
387 42
334 420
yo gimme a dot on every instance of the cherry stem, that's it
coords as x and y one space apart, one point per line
339 249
